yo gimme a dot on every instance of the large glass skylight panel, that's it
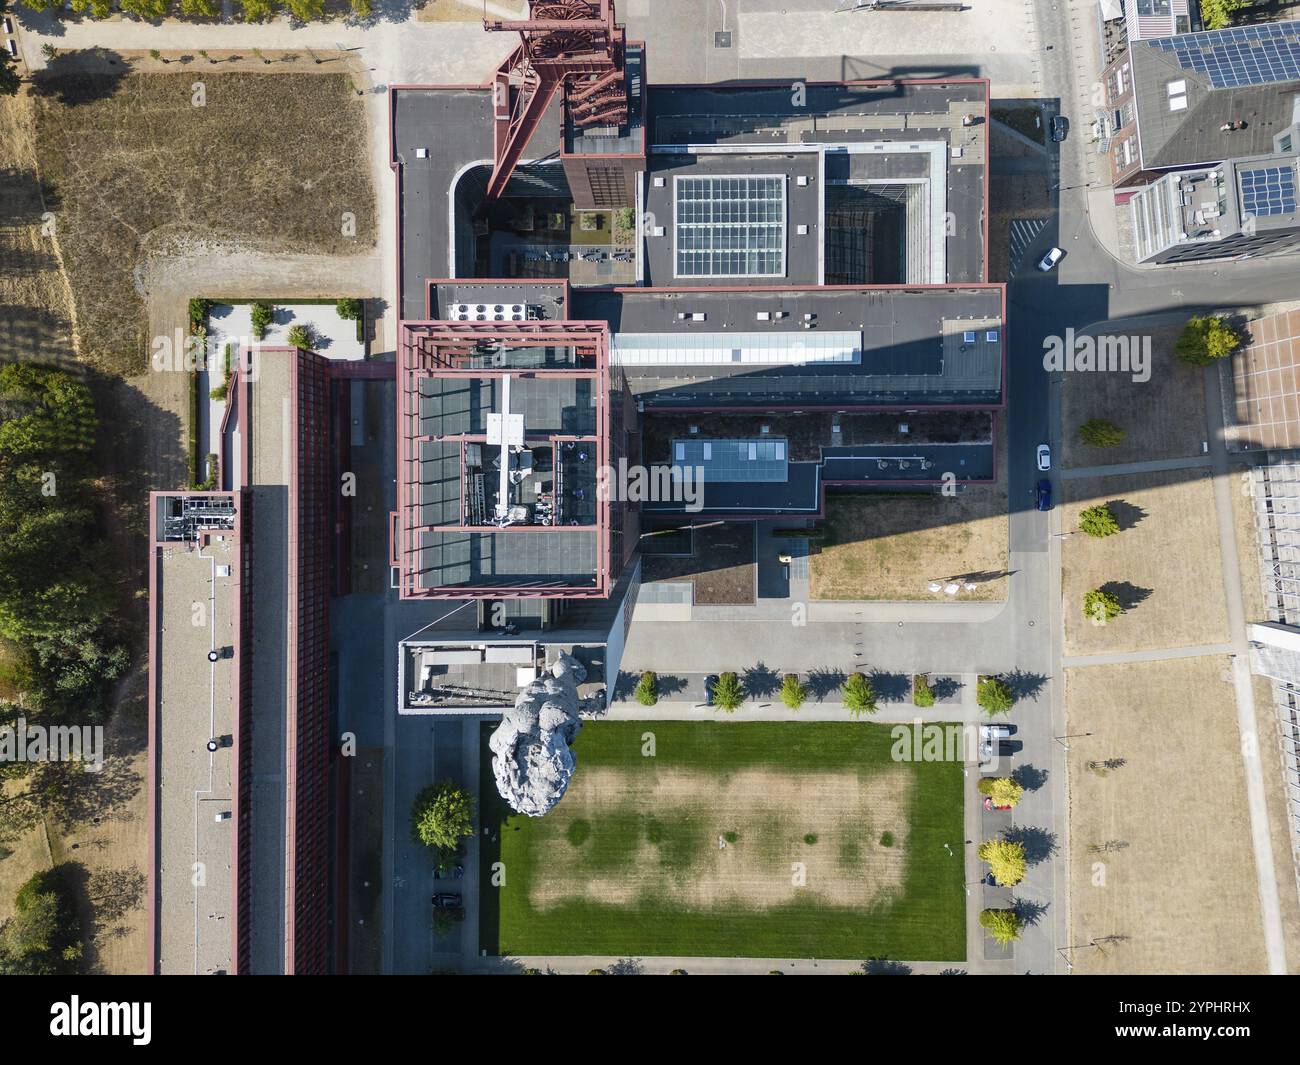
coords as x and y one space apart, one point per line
729 226
776 348
1268 190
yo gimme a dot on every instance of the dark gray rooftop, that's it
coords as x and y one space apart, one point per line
1191 135
913 347
540 560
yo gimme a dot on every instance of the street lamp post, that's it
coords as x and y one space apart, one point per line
1070 736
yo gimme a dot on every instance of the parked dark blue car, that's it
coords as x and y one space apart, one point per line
1044 495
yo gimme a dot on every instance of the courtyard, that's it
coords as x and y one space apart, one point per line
768 839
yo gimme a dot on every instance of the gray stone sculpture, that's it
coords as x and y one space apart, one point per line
531 756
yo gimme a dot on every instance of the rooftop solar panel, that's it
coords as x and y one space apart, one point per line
1242 55
1268 190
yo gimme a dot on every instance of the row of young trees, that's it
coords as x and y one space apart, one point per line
60 652
858 695
154 10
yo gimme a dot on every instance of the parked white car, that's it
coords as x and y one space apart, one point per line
1050 259
1044 457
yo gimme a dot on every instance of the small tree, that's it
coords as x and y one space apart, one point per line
728 693
348 309
262 314
361 8
198 311
922 693
1003 925
1218 13
1006 860
442 815
859 696
647 689
1101 606
1098 521
258 10
1097 432
1002 790
300 337
1205 340
793 693
994 696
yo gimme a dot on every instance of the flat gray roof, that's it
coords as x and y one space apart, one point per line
914 347
196 702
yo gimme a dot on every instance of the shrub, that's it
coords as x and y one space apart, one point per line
793 693
263 314
994 696
348 309
445 919
647 689
1100 606
442 815
1205 340
198 313
1006 860
859 696
922 693
1003 925
810 839
1098 521
886 839
728 693
1097 432
300 337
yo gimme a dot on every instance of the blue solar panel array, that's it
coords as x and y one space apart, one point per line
1242 55
1268 190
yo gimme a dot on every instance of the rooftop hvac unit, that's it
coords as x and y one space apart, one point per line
482 312
223 571
902 427
693 430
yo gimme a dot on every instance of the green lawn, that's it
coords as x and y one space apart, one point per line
629 863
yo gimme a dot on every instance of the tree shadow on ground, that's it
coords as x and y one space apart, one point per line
1129 595
1024 685
81 77
760 682
1029 777
824 682
1028 910
945 687
1039 843
890 687
1126 514
951 972
885 967
624 685
670 685
625 967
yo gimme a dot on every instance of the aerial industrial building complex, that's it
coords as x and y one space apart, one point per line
793 248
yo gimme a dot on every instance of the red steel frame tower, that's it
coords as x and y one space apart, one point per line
438 348
561 42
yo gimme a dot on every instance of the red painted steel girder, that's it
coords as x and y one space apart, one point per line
561 39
